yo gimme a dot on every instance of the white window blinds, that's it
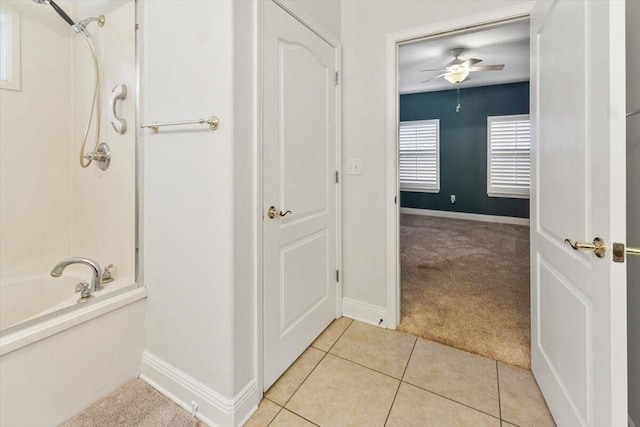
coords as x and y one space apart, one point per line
419 155
508 156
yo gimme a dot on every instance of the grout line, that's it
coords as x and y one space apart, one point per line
306 419
343 332
499 399
386 420
312 371
409 359
305 379
365 366
314 368
277 413
452 400
339 336
272 401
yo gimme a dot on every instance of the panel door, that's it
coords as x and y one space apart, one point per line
299 164
579 344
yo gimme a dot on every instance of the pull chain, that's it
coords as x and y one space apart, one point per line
458 99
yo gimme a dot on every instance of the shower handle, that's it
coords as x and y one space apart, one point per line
119 93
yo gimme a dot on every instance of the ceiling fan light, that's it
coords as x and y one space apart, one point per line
457 76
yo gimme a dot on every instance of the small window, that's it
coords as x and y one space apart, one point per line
509 156
9 49
419 155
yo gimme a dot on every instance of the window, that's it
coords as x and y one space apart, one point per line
419 155
9 49
508 156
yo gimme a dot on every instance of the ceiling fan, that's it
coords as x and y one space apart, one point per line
458 70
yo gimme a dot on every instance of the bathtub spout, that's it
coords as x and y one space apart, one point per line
96 270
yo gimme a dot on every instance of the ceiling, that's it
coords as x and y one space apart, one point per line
506 44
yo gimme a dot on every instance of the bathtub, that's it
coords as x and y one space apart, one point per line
58 356
27 298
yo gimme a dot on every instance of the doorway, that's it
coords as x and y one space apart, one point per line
578 290
463 162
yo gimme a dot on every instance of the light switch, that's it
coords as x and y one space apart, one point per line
354 166
453 198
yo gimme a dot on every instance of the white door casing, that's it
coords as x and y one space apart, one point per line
578 301
299 164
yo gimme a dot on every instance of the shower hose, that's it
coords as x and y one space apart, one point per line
95 104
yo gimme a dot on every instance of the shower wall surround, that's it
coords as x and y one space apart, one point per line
50 208
36 175
104 201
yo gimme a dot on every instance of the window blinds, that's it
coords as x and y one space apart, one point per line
509 158
419 155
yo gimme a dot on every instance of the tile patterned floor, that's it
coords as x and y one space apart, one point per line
356 374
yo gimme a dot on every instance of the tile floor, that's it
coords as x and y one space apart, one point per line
355 374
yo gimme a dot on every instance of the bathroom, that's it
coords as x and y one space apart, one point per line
177 213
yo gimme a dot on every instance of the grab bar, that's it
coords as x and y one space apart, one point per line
212 121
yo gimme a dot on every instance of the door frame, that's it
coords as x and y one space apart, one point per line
305 19
393 41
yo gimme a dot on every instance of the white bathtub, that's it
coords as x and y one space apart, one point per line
28 298
58 356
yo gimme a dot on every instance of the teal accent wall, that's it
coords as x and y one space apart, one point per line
463 146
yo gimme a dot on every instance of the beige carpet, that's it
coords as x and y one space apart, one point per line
135 404
466 284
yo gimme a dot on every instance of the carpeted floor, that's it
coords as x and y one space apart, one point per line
466 284
135 404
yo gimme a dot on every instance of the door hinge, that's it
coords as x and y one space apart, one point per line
337 275
337 177
395 200
337 78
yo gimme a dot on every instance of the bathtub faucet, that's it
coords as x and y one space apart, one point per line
96 281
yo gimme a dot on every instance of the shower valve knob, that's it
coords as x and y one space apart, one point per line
102 156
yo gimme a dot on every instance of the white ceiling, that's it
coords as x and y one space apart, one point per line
507 44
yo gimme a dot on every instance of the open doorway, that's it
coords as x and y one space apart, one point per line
464 171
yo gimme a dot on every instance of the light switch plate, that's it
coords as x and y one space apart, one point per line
354 167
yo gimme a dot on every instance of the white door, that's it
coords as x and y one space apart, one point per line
578 310
299 167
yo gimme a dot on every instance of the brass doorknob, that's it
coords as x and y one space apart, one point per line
597 246
273 212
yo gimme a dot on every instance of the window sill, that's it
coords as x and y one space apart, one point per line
509 195
419 190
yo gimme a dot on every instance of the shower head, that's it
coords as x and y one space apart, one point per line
58 10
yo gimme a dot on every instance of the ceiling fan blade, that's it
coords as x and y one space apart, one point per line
470 62
433 78
487 68
434 69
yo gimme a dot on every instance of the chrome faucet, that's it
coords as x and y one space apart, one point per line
96 281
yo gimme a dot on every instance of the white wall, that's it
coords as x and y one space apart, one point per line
200 210
365 25
35 174
198 60
633 206
104 201
325 12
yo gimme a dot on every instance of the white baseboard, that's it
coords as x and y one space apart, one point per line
364 312
469 216
631 423
213 408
